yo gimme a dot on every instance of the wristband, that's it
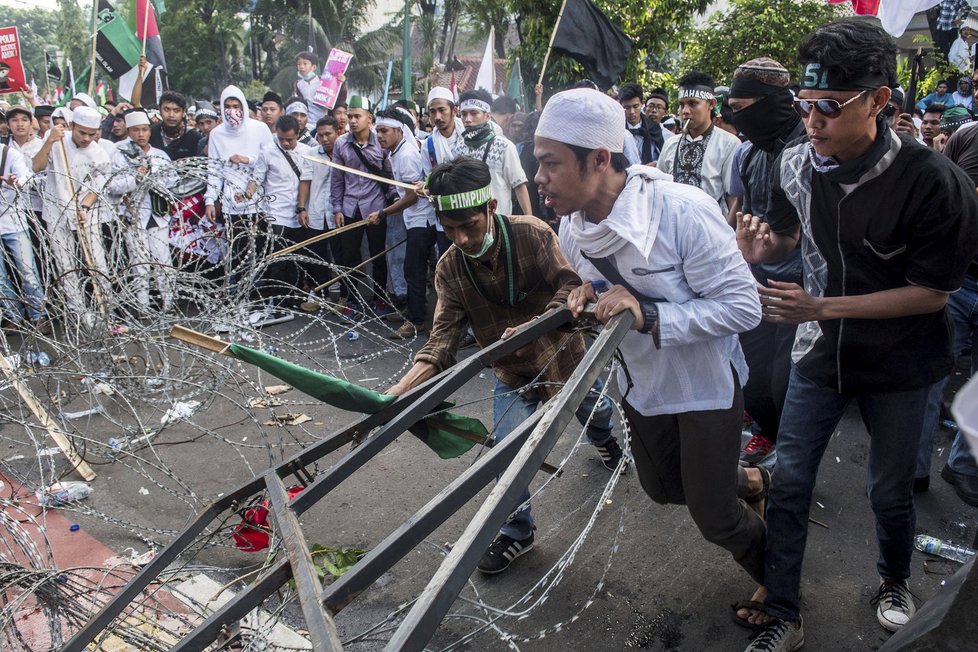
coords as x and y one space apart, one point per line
382 214
300 209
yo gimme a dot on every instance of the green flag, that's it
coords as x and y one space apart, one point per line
516 89
438 431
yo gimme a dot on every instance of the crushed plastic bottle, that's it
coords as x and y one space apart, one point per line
353 336
38 358
63 493
934 546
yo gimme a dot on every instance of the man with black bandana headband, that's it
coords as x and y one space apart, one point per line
887 228
480 141
702 155
761 110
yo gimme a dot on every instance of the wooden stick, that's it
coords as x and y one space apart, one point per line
553 35
139 75
91 72
316 238
49 424
360 173
82 230
354 269
149 4
196 338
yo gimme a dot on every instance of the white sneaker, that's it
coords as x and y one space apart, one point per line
779 636
894 604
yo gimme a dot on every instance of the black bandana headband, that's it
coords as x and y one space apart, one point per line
818 77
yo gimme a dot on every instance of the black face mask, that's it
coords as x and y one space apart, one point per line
768 119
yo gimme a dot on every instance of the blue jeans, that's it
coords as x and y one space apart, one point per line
17 247
963 308
510 409
811 414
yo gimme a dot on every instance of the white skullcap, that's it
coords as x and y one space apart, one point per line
86 116
62 112
440 93
297 107
583 117
136 118
85 99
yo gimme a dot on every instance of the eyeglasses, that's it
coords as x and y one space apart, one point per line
828 107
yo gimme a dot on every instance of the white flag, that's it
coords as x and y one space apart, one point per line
487 71
897 14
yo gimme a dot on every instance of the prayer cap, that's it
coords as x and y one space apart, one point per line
585 118
136 117
43 110
759 78
85 99
440 93
85 116
359 102
272 96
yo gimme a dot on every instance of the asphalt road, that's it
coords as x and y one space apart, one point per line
643 579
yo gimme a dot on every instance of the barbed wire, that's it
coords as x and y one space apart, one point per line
138 405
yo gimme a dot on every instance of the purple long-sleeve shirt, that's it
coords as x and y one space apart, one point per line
349 191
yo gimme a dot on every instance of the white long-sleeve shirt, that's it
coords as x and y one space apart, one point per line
279 182
320 207
13 201
707 293
29 150
125 182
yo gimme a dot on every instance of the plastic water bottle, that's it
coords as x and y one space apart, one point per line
38 358
599 286
63 493
353 336
934 546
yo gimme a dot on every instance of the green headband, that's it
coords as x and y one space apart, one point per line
462 200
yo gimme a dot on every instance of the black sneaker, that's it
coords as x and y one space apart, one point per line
610 453
502 552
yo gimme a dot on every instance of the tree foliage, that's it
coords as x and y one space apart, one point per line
654 26
206 45
38 31
72 32
753 28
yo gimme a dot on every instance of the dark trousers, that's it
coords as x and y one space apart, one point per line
281 277
348 255
943 39
319 269
247 244
420 240
692 459
811 415
767 350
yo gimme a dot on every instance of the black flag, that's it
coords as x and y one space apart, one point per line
599 45
54 72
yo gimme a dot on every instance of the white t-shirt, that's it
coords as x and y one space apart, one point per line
12 201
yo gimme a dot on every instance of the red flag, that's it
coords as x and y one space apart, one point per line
861 7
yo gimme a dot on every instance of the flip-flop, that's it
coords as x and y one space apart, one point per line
743 622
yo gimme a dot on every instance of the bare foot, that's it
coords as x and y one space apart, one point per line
755 616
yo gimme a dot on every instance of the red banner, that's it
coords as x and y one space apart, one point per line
12 78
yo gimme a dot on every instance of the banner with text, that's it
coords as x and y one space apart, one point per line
12 78
329 85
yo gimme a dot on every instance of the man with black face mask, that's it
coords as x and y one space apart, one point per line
761 109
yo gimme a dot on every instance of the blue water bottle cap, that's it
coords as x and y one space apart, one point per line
599 285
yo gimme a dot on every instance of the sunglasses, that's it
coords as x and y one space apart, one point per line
828 107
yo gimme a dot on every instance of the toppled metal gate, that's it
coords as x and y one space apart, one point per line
514 461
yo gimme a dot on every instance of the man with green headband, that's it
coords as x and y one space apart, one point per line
887 228
502 272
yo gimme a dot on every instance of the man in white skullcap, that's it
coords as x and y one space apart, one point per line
82 99
448 128
666 254
76 170
298 109
138 169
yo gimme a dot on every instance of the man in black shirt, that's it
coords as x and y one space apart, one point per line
171 134
887 227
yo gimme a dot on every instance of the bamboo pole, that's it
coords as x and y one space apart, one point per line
361 173
317 238
91 73
49 424
358 267
553 35
139 75
82 230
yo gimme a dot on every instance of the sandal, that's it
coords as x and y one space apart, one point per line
753 499
743 622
